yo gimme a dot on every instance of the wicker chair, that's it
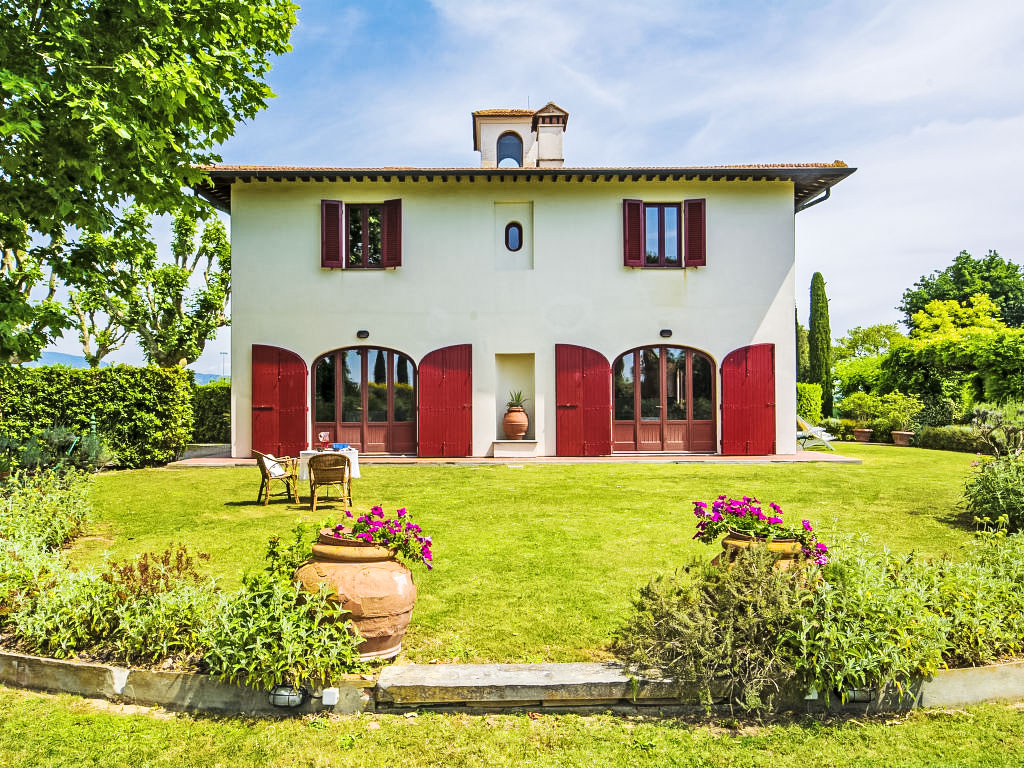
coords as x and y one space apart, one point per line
327 469
282 469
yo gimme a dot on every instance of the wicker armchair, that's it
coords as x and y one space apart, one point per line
327 469
282 469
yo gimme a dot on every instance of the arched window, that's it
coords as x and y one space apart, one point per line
514 236
510 148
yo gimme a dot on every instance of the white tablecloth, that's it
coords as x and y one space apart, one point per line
353 459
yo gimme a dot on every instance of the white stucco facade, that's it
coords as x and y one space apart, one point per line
458 284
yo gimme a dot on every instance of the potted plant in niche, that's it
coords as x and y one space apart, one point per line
745 524
362 563
516 420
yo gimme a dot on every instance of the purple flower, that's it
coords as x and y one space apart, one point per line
821 547
807 525
401 512
774 520
348 513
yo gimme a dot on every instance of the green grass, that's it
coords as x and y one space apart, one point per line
42 730
537 563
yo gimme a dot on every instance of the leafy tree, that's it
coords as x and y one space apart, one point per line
820 343
943 317
102 102
140 294
1001 280
872 341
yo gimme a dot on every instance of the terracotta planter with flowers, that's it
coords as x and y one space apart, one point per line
361 565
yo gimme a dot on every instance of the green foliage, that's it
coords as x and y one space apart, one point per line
868 624
860 406
145 414
717 627
978 311
994 492
954 437
104 103
858 374
841 429
1001 280
883 413
46 509
271 632
820 343
808 402
873 341
212 406
135 293
803 351
56 448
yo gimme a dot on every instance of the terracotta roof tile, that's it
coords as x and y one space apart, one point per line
505 112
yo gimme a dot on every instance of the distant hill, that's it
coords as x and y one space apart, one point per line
77 361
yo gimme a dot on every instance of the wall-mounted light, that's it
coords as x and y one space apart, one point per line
666 333
362 334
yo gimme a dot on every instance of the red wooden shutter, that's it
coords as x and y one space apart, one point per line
583 400
331 232
278 401
633 233
696 235
445 390
748 401
391 234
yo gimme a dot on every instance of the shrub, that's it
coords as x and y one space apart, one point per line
994 492
212 406
57 448
271 632
808 402
44 510
952 438
718 627
144 413
938 411
860 406
841 429
881 430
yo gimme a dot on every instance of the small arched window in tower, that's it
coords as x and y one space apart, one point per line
510 148
514 236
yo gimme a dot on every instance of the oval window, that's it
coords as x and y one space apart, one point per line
514 236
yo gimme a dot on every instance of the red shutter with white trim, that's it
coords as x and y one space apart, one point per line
391 234
633 233
331 234
444 386
748 401
694 225
279 387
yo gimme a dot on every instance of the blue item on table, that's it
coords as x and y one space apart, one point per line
339 446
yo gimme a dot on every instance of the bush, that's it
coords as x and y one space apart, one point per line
938 411
881 430
994 492
44 510
56 448
718 627
145 414
952 438
808 402
212 413
841 429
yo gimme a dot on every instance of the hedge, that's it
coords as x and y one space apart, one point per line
952 438
212 413
144 414
808 402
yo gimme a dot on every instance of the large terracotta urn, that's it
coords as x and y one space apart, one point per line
787 549
369 583
515 422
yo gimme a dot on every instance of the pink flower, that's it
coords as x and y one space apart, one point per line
807 525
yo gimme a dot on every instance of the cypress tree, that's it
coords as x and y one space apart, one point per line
820 343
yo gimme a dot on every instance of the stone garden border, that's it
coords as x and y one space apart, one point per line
574 687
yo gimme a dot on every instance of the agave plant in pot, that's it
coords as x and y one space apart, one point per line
745 524
362 562
516 421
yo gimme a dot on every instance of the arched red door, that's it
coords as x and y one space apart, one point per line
748 401
278 401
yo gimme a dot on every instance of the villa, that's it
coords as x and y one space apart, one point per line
637 309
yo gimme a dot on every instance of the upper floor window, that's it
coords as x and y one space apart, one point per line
360 235
510 147
663 234
514 236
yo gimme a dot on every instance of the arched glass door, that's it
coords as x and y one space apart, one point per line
664 400
366 397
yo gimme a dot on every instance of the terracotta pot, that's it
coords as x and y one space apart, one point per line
376 589
786 549
862 434
515 423
901 438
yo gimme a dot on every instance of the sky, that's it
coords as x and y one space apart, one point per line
924 99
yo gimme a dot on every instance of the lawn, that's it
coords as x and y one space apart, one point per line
42 730
536 563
